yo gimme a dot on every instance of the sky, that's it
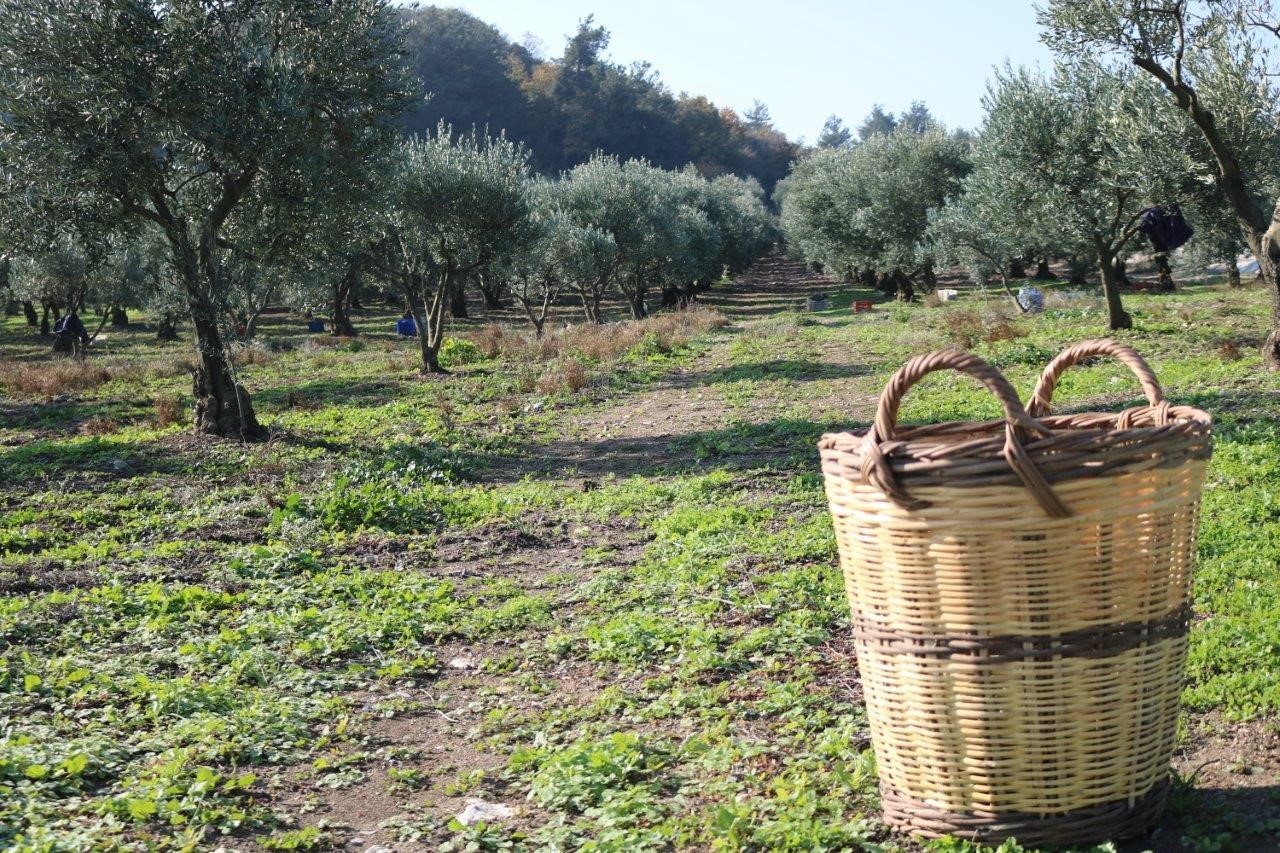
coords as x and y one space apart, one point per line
805 59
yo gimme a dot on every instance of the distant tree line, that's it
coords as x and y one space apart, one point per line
568 108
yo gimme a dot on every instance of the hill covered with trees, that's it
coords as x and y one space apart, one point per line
566 108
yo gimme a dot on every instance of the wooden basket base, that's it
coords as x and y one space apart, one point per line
1091 825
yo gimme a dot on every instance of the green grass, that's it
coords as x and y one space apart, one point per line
201 640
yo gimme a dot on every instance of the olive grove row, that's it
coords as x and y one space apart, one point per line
211 158
1151 104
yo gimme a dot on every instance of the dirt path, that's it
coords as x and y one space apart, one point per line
633 432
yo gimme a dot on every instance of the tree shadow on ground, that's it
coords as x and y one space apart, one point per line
789 369
780 443
328 391
1215 818
68 415
783 443
95 461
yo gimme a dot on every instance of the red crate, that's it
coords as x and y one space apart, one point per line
861 306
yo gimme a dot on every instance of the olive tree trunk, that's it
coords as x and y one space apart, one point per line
428 305
340 321
491 290
222 405
591 296
1120 272
635 301
904 286
1164 272
457 294
1233 271
167 328
1117 317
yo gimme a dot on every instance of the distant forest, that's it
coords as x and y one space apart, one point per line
565 109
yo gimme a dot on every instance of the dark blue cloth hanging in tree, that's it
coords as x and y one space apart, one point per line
1166 227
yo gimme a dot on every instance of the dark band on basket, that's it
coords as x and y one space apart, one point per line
1120 819
1097 641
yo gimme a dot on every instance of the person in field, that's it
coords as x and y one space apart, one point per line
70 335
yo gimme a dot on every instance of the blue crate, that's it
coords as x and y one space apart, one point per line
315 326
406 327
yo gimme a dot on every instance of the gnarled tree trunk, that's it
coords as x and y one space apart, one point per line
457 295
222 405
33 319
635 301
491 289
1120 273
1043 273
930 278
1267 251
590 296
167 328
119 317
1076 268
904 286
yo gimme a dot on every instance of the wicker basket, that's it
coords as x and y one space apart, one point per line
1021 591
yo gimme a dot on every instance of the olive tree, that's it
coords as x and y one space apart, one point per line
1071 160
73 274
867 208
628 202
183 115
454 204
747 229
59 278
1205 57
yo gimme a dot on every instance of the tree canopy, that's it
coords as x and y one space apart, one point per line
866 208
204 121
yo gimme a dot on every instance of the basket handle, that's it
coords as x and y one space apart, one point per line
1018 426
1042 397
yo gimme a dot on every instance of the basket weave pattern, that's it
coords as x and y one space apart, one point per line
1021 592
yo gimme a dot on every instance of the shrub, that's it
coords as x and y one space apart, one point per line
490 340
575 375
967 326
51 378
455 352
255 352
168 410
98 425
566 373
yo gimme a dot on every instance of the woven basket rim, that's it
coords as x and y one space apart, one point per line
972 454
911 436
